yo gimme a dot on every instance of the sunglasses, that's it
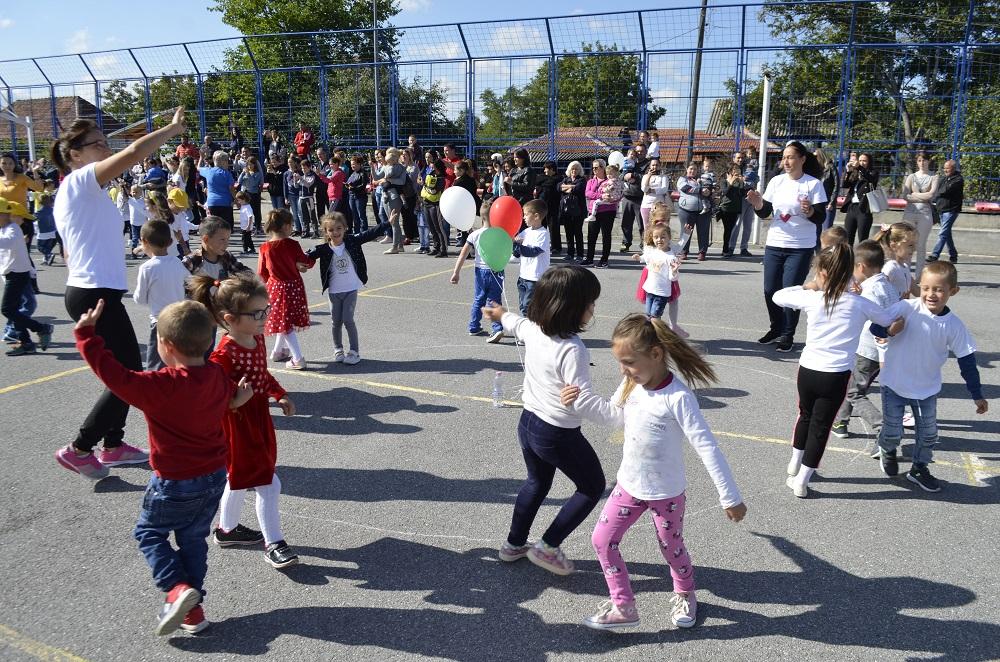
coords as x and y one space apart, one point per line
258 315
102 142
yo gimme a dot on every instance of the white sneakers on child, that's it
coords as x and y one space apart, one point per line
352 358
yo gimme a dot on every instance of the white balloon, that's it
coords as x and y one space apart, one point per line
458 208
616 159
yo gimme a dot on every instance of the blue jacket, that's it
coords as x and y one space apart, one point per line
324 253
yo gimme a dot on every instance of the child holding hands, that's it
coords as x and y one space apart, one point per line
281 266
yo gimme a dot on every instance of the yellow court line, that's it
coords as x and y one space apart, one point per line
14 639
40 380
368 293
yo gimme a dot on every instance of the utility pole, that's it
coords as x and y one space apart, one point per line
695 83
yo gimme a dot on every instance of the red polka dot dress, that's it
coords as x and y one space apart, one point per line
285 290
253 450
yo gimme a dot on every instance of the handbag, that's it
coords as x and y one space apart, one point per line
878 201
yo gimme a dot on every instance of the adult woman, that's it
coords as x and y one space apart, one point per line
250 181
409 194
692 212
829 180
186 178
391 179
572 209
220 187
798 203
14 186
520 183
91 227
732 194
859 181
655 189
277 147
604 216
235 145
919 190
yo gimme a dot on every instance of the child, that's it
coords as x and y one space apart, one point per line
707 181
532 245
158 208
898 241
835 234
290 182
160 282
246 222
240 305
488 284
653 151
912 372
835 319
305 184
212 259
139 211
661 285
868 262
281 266
357 196
548 431
179 212
186 451
658 417
431 195
46 226
15 265
610 191
343 271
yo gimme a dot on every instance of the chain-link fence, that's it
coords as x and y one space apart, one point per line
888 79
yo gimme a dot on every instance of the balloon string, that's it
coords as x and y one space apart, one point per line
506 303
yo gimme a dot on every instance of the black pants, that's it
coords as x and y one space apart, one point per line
248 246
728 223
225 212
409 220
546 448
601 224
439 242
552 221
857 223
321 200
107 418
255 205
820 397
701 222
631 216
13 291
573 223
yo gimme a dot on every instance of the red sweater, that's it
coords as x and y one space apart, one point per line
278 258
184 408
334 184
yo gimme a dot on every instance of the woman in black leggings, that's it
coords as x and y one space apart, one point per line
859 181
603 220
90 227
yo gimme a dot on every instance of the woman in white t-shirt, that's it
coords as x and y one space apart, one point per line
655 188
796 202
91 230
919 190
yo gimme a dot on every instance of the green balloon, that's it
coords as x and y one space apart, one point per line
496 247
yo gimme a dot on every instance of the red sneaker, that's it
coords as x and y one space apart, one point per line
195 620
181 599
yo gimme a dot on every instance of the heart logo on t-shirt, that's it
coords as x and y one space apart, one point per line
784 217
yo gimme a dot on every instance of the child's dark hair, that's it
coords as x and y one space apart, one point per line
440 168
212 225
231 295
188 326
332 218
946 269
643 334
647 238
155 233
869 253
244 196
72 138
277 220
895 233
837 262
561 297
162 208
536 207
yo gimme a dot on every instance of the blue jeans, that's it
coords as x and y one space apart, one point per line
277 201
423 230
359 216
185 507
19 304
656 304
293 206
924 416
944 236
489 287
135 231
784 267
525 288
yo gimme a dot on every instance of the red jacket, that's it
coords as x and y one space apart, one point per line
334 184
304 143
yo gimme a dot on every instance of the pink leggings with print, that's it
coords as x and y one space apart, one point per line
621 511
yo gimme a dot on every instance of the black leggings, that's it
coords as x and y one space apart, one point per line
820 396
602 224
857 223
439 242
107 418
728 223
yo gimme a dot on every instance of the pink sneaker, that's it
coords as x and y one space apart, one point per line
87 466
611 616
124 454
509 553
550 558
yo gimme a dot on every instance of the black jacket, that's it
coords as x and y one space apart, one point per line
324 253
860 182
522 184
633 187
573 205
547 190
951 193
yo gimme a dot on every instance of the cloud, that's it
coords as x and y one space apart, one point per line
441 50
105 67
79 41
516 38
6 23
414 5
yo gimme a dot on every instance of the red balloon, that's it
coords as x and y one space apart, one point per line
506 214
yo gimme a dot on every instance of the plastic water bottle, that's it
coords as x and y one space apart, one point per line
498 390
685 237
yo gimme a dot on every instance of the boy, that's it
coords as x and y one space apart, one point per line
46 227
532 245
357 195
212 259
707 181
16 268
489 283
160 282
868 261
912 371
246 222
187 452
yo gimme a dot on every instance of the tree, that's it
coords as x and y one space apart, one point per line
124 104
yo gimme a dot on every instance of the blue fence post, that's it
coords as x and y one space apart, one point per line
393 104
741 81
552 115
258 98
963 88
324 119
846 107
97 94
470 97
13 127
202 125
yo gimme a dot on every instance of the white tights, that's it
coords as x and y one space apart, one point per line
231 508
288 341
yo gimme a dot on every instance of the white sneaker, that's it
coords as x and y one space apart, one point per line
296 365
495 337
338 356
386 240
684 612
793 467
909 421
798 489
352 358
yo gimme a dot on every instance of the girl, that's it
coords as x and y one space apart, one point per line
655 189
549 432
239 304
251 182
138 214
247 221
343 271
660 285
899 241
658 417
290 183
281 266
835 319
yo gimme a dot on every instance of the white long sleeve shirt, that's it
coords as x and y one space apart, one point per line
160 283
13 251
551 363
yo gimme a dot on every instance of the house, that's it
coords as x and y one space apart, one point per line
67 109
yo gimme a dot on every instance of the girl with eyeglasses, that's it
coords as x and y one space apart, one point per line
240 305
